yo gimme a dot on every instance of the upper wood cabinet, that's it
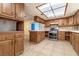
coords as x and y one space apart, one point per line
38 19
61 22
47 24
7 10
20 13
12 11
77 18
66 21
71 21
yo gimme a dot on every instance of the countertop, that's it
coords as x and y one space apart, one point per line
77 31
36 30
12 31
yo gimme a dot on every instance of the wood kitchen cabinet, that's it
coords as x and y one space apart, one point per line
37 36
11 43
47 24
39 19
7 48
72 39
61 35
19 43
20 12
71 20
6 44
12 11
7 10
77 43
77 19
62 22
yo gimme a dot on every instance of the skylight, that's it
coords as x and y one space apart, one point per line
53 10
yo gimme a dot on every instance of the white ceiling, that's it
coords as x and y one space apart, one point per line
32 11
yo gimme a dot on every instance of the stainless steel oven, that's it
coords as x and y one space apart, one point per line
53 33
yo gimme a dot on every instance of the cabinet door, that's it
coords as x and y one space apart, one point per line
20 11
19 45
77 43
77 17
7 10
7 48
47 24
61 22
71 20
61 35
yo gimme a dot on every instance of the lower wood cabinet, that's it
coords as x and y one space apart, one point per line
11 43
37 36
61 35
7 48
76 44
75 41
72 39
19 43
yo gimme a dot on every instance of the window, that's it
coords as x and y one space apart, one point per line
53 10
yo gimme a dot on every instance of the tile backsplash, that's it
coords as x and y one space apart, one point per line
69 28
6 25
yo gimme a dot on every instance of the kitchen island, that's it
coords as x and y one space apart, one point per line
37 36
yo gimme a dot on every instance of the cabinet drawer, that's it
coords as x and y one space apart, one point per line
19 34
6 36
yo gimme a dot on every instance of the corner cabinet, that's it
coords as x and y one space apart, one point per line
7 10
20 13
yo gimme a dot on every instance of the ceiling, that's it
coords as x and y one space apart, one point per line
31 10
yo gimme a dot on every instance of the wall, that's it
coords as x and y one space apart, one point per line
7 25
27 27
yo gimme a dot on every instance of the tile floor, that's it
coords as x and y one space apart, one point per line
49 48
